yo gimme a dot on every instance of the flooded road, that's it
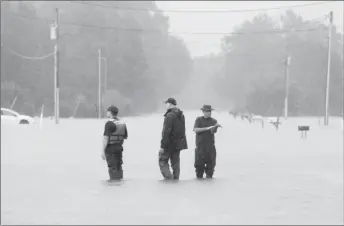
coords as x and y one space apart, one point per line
55 175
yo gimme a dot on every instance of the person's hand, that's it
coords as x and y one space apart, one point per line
103 156
218 125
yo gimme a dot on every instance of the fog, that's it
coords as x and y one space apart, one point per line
147 53
277 66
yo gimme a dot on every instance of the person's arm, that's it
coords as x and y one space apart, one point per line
214 129
105 142
166 131
200 130
198 127
183 121
126 133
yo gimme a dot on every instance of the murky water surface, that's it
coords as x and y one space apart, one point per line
54 175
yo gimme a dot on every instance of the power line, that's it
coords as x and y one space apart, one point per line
189 33
200 11
31 57
277 31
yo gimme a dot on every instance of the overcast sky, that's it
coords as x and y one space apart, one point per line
224 22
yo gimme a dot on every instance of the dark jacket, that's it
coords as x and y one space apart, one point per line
173 132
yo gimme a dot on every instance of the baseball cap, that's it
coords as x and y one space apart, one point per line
171 101
113 109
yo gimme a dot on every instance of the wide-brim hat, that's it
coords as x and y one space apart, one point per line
207 108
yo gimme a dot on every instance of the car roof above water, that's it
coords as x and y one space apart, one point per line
9 110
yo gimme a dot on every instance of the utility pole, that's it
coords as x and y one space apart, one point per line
105 74
342 62
326 121
2 21
99 82
287 63
54 35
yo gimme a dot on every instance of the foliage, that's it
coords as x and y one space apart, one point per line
144 63
253 75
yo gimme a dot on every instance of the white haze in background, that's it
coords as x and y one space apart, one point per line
225 22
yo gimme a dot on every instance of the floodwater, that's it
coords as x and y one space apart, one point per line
54 175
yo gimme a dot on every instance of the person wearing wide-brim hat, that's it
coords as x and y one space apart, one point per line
205 154
207 108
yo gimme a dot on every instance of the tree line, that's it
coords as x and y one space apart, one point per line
249 73
145 64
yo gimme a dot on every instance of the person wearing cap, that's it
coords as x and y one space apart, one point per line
114 134
173 140
205 154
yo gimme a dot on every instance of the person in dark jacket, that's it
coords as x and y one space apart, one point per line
205 154
173 140
114 134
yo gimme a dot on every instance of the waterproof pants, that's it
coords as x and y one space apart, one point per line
174 157
114 159
205 160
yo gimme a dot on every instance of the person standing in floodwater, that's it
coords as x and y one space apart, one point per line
173 140
205 154
115 133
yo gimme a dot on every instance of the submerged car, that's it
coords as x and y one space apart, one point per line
9 116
